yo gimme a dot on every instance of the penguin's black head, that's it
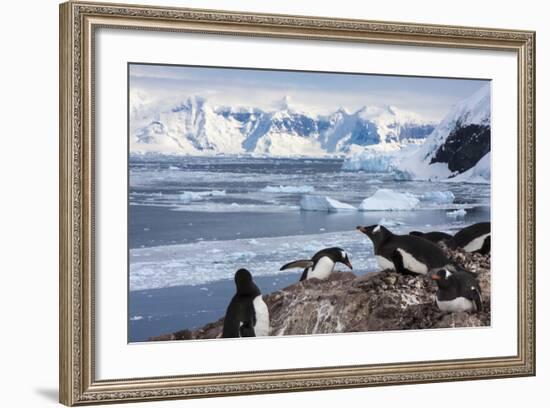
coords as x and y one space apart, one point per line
377 233
336 254
244 282
443 277
339 255
243 276
344 258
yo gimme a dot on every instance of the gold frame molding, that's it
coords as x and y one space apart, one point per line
78 22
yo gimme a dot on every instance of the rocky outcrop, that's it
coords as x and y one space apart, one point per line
464 147
377 301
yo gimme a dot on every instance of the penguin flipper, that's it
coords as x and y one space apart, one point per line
301 263
230 323
304 275
247 330
397 260
486 248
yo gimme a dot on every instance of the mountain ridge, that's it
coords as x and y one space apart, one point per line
192 126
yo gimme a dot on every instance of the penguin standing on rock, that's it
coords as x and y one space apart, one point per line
405 254
247 314
321 265
433 236
457 291
473 238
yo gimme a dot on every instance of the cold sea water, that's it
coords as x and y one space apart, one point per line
194 221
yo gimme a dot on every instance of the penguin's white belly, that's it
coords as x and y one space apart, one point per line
460 304
385 263
261 328
476 244
322 269
411 263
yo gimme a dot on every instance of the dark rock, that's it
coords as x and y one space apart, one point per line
464 147
374 302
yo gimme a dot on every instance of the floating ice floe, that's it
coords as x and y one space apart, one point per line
388 200
189 196
323 203
136 318
288 189
438 197
460 213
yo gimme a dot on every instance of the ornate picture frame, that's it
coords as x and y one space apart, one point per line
79 22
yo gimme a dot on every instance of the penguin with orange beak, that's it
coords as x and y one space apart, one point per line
457 291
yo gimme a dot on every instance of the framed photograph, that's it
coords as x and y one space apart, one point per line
256 203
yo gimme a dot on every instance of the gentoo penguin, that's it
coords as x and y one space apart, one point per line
405 253
457 291
474 238
321 265
247 314
434 236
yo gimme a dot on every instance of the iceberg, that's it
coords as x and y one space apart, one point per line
438 197
388 200
323 203
288 189
456 214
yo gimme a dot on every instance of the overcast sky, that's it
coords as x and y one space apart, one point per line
312 92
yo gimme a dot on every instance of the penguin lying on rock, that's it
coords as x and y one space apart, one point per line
473 238
433 236
247 314
321 265
457 291
406 254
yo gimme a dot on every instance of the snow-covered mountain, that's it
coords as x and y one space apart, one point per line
457 144
194 126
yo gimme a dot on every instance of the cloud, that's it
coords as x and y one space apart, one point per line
315 93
